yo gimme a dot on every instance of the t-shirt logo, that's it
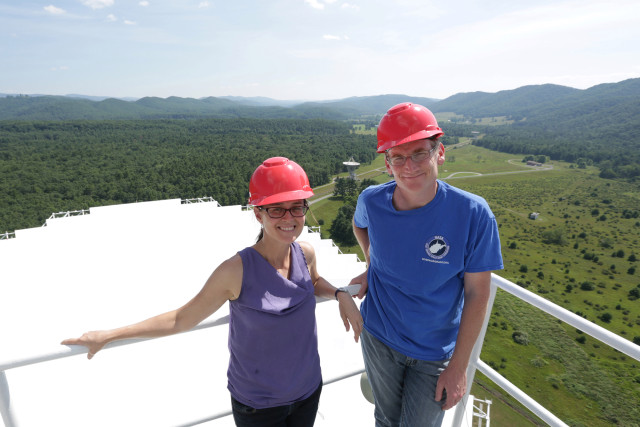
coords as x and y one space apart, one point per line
437 247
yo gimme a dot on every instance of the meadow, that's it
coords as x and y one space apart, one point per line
581 253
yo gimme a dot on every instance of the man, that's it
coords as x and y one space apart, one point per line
430 249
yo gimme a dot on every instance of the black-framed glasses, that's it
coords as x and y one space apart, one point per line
278 212
418 157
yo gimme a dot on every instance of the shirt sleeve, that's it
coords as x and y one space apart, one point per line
484 251
360 217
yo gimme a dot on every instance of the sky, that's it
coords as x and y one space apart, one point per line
313 49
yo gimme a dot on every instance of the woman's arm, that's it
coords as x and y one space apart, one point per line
224 284
348 310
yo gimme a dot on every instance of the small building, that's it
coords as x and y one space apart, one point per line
533 215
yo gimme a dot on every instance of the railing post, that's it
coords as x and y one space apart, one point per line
5 402
473 359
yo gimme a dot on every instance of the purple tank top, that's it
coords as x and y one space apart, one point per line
273 342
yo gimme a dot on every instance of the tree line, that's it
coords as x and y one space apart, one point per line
612 150
58 166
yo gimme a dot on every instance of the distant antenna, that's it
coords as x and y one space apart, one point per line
351 167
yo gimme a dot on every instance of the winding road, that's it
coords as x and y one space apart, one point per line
454 175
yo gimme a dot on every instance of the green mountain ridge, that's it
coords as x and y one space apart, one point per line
527 101
596 125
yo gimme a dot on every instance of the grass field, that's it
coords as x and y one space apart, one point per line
492 121
581 254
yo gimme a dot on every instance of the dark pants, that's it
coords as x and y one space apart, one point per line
298 414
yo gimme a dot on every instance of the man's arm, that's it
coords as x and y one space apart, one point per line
362 236
454 378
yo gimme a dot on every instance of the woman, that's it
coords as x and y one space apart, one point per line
274 370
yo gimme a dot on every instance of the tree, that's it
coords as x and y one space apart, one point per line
606 317
587 286
345 187
341 230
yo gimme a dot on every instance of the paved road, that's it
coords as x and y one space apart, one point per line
454 175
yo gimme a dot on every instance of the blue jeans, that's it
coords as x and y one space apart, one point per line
404 388
298 414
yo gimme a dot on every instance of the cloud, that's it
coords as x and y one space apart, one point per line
203 4
350 6
61 68
144 3
315 4
54 10
111 18
97 4
126 21
332 37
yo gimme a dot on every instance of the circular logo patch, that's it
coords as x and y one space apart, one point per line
437 247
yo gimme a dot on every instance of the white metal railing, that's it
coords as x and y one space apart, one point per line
199 200
554 310
587 327
67 214
7 235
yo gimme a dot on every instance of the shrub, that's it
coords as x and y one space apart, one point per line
587 286
555 237
538 362
520 337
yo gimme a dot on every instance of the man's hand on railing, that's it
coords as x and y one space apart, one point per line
94 341
361 279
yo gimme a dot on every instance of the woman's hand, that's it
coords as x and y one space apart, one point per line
350 314
94 341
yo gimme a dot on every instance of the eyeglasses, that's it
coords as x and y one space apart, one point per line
418 157
278 212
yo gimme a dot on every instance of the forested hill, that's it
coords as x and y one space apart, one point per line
542 102
529 102
74 108
599 125
67 108
51 166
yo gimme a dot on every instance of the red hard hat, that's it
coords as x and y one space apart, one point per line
276 180
404 123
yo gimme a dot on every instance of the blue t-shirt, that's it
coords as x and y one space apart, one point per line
417 263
